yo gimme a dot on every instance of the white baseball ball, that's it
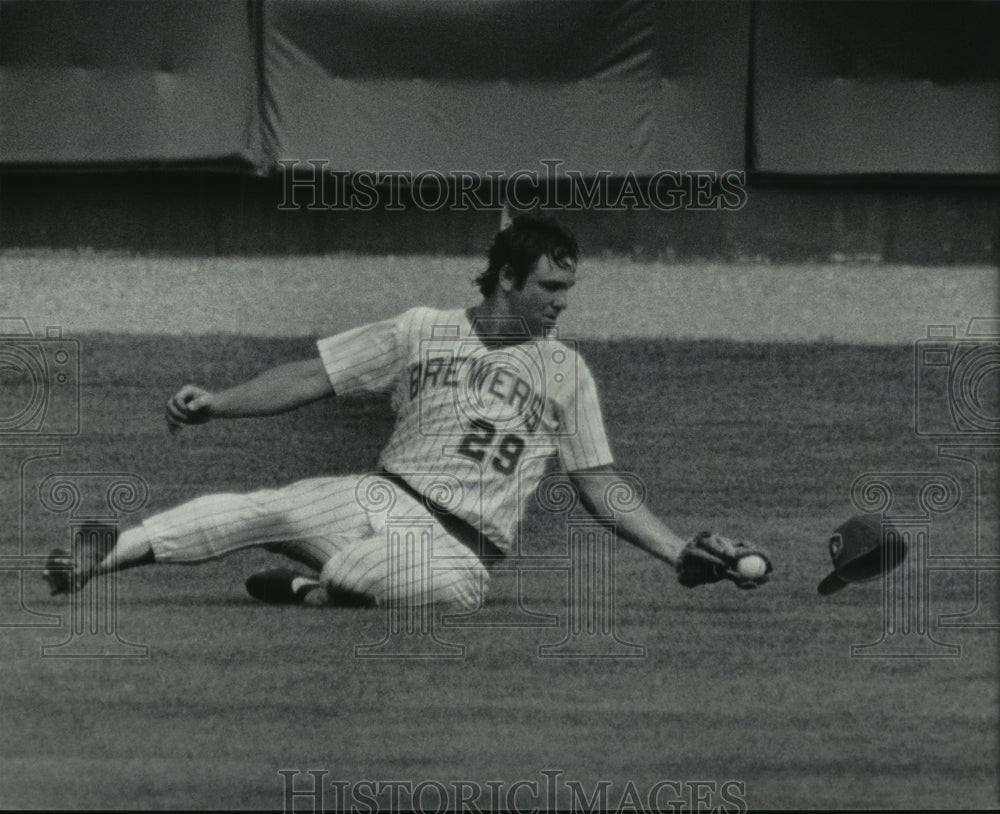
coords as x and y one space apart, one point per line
751 566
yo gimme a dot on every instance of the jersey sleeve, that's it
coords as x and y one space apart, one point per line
585 445
367 359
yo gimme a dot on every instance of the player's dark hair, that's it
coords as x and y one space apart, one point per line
521 244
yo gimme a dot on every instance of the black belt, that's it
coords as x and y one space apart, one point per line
463 531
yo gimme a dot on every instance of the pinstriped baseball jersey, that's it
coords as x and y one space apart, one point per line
489 416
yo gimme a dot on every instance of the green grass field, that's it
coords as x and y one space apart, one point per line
753 688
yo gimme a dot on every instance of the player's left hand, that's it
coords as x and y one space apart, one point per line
711 557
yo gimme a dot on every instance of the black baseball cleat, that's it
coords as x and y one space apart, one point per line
66 572
59 572
281 586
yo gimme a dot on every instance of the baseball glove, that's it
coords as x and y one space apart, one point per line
711 557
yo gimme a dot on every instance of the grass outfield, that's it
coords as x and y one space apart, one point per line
752 688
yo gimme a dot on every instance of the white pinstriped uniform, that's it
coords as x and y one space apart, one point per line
476 426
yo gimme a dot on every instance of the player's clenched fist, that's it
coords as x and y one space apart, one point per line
189 405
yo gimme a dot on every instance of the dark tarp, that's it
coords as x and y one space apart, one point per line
601 85
124 81
500 85
877 87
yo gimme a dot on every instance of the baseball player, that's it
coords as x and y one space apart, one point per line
485 398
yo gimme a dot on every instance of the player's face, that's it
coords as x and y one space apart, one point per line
543 296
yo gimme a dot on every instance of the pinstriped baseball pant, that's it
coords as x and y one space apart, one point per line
322 523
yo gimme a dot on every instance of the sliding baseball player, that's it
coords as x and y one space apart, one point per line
485 399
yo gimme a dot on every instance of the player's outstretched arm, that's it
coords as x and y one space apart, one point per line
277 390
640 527
704 559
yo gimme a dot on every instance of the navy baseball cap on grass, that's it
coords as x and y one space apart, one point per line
862 549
